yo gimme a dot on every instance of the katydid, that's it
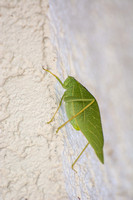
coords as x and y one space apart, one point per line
83 113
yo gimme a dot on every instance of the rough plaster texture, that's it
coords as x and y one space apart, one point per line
93 42
30 152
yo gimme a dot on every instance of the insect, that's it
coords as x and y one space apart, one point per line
83 113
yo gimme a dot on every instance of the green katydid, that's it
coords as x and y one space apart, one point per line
83 113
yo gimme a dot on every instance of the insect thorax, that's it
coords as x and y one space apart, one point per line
69 82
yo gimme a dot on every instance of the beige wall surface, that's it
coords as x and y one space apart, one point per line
30 151
93 42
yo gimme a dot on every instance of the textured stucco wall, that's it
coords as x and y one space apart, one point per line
30 152
93 42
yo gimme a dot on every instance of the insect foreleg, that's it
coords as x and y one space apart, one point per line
76 115
53 75
56 110
79 156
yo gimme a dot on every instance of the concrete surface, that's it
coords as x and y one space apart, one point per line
93 42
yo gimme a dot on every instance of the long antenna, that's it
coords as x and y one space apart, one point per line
54 76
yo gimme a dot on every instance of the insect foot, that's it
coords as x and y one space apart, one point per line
73 168
57 130
49 122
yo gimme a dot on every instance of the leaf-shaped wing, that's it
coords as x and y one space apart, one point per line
89 121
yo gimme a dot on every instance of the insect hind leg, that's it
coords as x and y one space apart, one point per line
79 156
75 115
